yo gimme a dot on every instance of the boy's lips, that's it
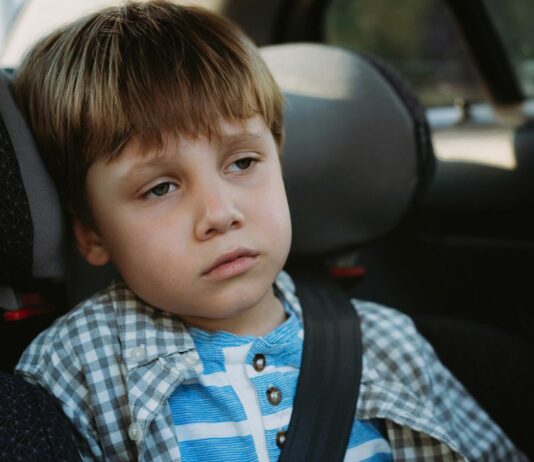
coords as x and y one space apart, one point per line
231 264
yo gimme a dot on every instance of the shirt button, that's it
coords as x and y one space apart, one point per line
259 362
138 354
134 432
280 439
274 395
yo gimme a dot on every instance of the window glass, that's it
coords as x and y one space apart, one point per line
417 37
8 13
40 17
515 23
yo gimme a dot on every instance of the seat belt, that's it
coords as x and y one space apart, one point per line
330 372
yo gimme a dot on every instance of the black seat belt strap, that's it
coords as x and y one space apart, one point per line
330 373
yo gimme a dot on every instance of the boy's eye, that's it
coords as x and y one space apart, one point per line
160 190
242 164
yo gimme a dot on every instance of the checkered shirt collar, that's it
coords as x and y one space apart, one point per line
160 334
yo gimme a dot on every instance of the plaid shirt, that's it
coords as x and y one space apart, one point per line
113 362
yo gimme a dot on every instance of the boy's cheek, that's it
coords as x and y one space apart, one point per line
278 229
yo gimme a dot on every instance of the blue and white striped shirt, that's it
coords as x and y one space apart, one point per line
239 407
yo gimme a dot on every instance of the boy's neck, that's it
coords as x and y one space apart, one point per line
257 321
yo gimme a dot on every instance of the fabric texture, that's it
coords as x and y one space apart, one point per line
490 363
16 229
31 221
113 362
321 124
32 428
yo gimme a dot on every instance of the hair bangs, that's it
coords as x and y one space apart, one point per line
180 80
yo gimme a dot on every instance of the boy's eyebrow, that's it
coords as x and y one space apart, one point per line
144 163
230 139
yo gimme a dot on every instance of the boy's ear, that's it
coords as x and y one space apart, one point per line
90 244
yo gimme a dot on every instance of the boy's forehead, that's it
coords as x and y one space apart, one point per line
254 125
226 134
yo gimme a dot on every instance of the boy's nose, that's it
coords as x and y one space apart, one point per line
217 214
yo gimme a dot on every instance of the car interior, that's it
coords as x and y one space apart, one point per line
448 241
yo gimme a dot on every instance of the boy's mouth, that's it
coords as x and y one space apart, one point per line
231 264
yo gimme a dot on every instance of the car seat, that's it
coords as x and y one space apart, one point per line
358 156
31 263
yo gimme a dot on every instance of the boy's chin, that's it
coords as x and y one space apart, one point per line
241 310
235 301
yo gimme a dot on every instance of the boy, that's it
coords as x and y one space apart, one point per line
163 129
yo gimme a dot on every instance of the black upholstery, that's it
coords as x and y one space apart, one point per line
31 223
32 429
496 367
16 229
31 232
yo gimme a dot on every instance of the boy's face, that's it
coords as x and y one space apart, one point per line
199 229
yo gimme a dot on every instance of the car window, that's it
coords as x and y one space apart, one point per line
39 17
417 36
8 13
36 18
514 22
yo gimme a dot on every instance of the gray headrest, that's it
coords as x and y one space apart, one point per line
352 159
31 224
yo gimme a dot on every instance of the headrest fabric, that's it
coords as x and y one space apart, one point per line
31 223
351 159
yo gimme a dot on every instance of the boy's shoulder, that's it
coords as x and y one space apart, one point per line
96 312
393 347
89 321
384 328
104 328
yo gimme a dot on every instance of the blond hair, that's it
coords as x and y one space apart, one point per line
141 69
